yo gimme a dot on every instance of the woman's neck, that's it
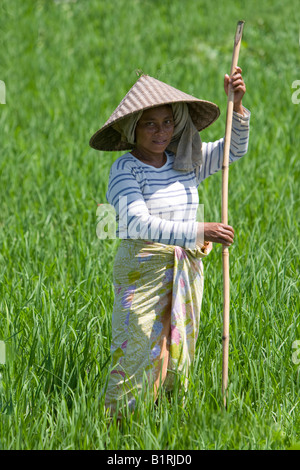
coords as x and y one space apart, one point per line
154 160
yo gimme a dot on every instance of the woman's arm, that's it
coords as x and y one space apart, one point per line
213 156
133 216
212 152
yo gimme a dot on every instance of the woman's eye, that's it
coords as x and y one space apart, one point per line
168 122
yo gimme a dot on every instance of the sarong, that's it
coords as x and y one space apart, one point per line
155 285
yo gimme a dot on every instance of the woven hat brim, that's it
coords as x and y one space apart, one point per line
145 94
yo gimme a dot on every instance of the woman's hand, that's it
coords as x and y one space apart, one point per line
215 232
239 88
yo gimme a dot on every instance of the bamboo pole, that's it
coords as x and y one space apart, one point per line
225 251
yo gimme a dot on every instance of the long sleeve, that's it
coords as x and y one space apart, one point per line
147 203
160 204
213 151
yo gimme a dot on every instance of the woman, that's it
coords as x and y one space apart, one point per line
158 270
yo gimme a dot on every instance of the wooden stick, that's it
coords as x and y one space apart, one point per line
225 251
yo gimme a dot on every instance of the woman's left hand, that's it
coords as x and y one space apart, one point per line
239 88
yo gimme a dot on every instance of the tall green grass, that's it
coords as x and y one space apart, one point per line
66 66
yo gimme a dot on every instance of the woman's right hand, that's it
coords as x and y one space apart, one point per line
215 232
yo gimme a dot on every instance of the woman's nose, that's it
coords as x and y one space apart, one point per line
159 128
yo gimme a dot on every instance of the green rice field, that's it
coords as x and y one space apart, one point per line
65 66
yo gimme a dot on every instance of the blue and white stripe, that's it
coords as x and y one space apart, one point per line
160 204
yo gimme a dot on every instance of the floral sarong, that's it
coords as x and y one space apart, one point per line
156 285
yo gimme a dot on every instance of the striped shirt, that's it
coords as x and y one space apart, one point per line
161 204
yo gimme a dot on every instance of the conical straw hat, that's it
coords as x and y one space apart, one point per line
146 93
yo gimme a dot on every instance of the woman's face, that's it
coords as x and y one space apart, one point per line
154 130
